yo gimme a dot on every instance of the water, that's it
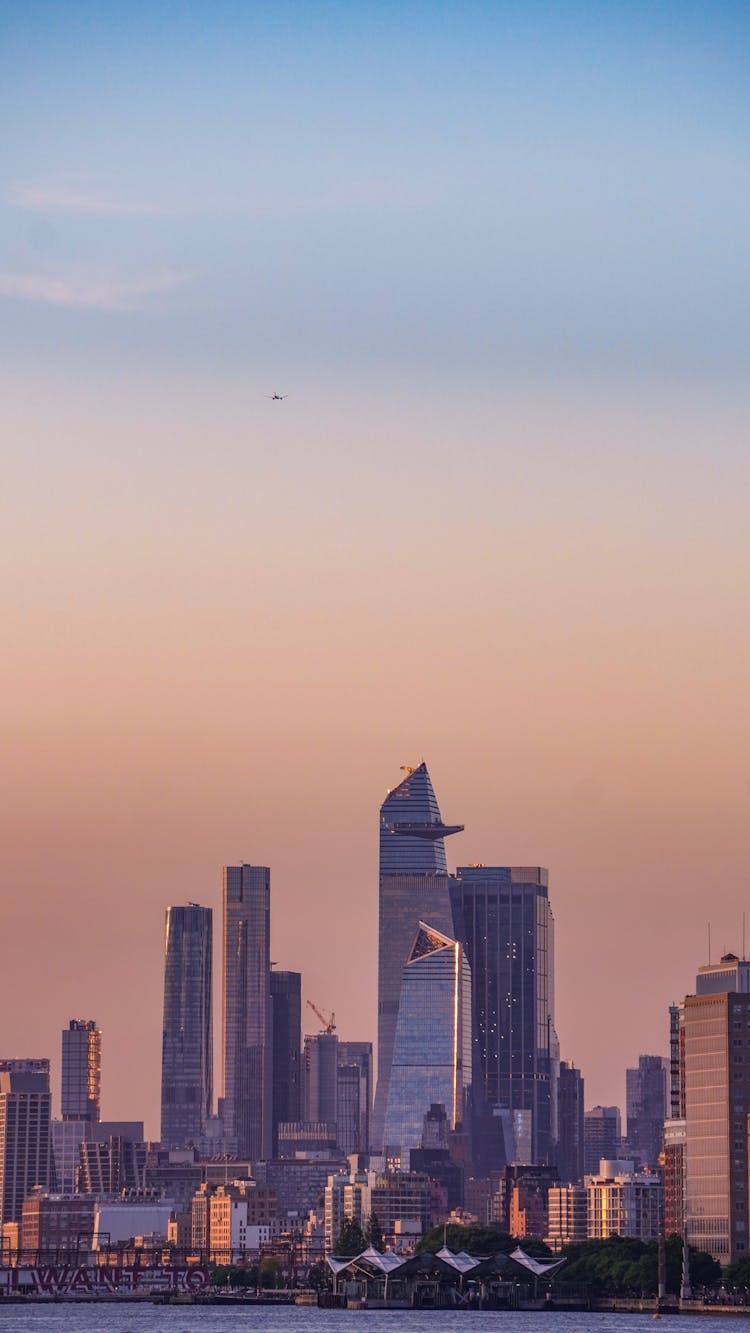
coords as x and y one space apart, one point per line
266 1319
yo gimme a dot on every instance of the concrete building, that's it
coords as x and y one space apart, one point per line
187 1032
503 917
431 1058
81 1077
623 1202
414 886
602 1137
247 1104
286 1005
567 1214
717 1104
25 1139
646 1098
570 1123
56 1228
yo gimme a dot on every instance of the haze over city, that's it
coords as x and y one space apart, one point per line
496 256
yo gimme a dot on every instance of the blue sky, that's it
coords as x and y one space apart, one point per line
531 189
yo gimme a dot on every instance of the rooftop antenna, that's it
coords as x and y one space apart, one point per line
743 937
709 943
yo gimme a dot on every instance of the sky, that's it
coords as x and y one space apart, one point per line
497 257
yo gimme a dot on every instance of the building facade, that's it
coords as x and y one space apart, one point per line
354 1095
567 1216
414 886
25 1139
320 1078
717 1104
246 1013
187 1033
81 1076
431 1060
646 1101
623 1202
286 1006
602 1137
503 916
570 1121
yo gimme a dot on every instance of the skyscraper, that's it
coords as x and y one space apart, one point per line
319 1080
717 1104
25 1144
602 1137
414 886
286 1001
570 1124
432 1047
503 916
81 1082
187 1037
246 1012
646 1101
354 1095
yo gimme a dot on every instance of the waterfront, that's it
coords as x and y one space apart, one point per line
132 1318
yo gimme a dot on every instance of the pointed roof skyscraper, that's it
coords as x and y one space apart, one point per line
412 831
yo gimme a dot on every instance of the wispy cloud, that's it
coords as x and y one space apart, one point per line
85 198
88 290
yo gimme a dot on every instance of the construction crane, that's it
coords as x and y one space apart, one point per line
329 1024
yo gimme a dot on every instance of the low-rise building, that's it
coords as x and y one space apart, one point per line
623 1202
567 1213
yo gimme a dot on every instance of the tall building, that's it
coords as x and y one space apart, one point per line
187 1035
432 1046
570 1124
503 916
414 886
319 1080
246 1013
602 1137
286 1004
646 1099
81 1081
717 1104
729 974
354 1095
25 1143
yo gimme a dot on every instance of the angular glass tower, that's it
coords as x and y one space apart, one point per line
414 886
502 915
81 1084
247 1105
187 1043
432 1046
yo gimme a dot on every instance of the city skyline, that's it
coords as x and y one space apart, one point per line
494 256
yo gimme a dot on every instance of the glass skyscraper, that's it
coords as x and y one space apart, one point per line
502 915
286 992
414 887
247 1104
646 1104
187 1042
432 1046
81 1081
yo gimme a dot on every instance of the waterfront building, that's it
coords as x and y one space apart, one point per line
570 1122
567 1214
625 1202
431 1060
354 1095
674 1166
602 1137
286 1007
81 1076
25 1140
503 916
528 1211
717 1104
247 1103
56 1228
187 1034
414 887
646 1100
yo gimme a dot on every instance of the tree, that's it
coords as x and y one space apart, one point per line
473 1239
319 1277
374 1233
351 1240
270 1273
624 1264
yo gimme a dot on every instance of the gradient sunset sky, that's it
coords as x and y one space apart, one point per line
497 255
